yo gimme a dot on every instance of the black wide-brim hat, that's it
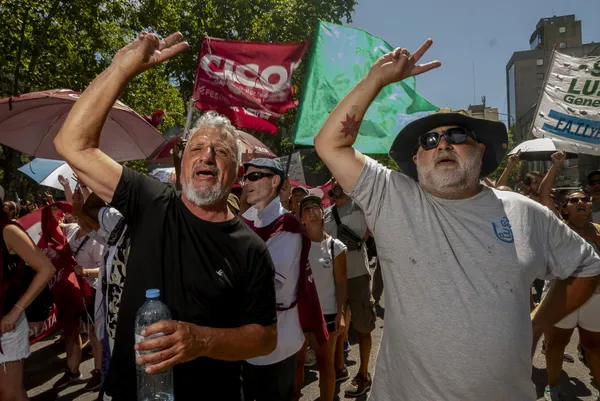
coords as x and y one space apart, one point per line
492 134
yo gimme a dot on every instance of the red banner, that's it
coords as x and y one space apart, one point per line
69 291
249 82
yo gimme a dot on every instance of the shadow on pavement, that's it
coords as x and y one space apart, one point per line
49 395
570 385
45 364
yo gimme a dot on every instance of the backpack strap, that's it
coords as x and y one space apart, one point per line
332 251
86 239
336 216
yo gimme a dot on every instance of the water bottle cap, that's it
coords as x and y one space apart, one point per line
153 293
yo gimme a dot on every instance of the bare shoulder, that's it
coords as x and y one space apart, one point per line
13 233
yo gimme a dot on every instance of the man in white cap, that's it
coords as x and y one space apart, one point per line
457 258
273 377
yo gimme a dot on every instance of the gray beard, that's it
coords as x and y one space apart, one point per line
204 197
451 183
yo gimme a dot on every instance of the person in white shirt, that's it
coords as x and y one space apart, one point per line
328 262
272 377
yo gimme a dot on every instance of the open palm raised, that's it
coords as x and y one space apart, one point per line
400 64
147 51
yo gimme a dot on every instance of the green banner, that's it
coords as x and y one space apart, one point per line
339 58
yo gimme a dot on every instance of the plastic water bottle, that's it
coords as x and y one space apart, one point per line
157 386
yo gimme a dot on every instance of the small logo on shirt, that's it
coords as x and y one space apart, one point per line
503 230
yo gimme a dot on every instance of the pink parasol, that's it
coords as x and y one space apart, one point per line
252 148
29 123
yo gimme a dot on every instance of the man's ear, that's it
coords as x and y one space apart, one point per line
277 181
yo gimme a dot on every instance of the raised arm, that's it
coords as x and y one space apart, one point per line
546 185
338 134
79 138
513 160
67 188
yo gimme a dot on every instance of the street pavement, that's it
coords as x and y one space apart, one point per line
47 362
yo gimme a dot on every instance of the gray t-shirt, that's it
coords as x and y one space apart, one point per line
352 216
458 275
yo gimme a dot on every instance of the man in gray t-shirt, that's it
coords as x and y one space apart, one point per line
457 258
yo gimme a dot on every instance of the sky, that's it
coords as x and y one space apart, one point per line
468 35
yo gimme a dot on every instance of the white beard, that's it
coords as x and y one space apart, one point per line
205 197
450 182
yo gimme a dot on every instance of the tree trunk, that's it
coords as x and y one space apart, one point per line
15 88
10 165
40 39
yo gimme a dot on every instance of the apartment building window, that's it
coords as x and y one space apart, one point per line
540 75
540 61
563 45
562 29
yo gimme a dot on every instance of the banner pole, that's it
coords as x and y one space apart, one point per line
287 168
188 121
539 102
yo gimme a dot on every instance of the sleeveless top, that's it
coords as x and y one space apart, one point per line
9 285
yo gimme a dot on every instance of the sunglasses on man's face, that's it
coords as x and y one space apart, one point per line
593 182
257 175
454 136
584 199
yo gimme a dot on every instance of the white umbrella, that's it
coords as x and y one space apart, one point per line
45 172
543 148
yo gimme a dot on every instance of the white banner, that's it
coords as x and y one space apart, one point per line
296 171
569 108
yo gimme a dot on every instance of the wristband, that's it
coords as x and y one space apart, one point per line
20 307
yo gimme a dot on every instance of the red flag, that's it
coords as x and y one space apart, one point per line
70 292
249 82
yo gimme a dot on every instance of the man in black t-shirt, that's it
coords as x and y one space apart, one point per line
214 273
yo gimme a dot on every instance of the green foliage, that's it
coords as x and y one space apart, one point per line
386 160
139 165
496 174
52 44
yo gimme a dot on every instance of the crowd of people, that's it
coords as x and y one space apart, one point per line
261 278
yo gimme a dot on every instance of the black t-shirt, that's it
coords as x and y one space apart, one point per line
211 274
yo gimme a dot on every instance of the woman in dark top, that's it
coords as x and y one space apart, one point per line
17 247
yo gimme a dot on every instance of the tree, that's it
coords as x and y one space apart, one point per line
256 20
59 44
51 44
498 172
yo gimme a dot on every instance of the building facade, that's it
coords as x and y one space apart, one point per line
484 112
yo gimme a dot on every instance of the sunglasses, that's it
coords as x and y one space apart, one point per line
256 175
454 136
593 182
576 199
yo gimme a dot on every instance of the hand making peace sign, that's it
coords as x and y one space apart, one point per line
400 64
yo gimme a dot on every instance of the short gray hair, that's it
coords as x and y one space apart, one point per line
212 119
